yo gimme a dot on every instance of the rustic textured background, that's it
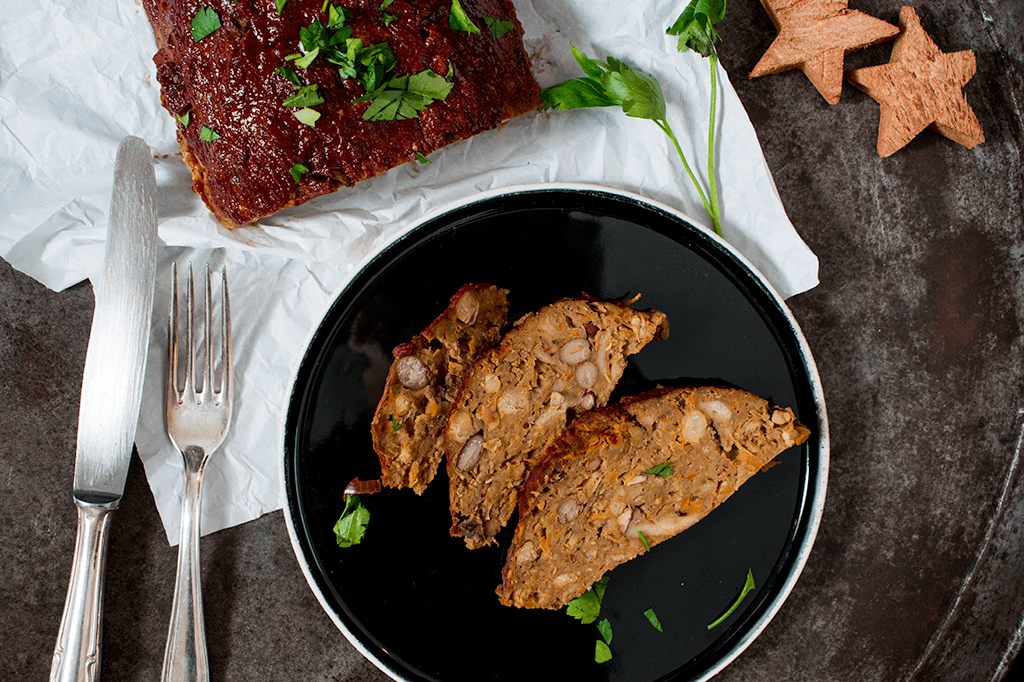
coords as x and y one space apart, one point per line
916 328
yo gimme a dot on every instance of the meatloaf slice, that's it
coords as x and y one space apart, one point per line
584 507
424 380
564 359
270 95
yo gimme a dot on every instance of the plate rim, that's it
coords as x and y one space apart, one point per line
820 483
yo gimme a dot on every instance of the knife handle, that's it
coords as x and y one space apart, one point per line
76 657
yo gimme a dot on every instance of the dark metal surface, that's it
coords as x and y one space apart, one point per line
916 329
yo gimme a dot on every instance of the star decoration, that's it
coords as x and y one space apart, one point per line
814 36
920 87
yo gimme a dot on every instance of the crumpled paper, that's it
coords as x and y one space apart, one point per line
77 77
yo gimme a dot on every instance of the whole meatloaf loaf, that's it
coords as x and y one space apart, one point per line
560 361
280 101
425 378
636 472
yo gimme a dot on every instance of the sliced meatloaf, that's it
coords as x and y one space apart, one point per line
424 380
281 101
640 471
562 360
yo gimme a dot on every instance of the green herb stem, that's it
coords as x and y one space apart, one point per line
715 212
667 129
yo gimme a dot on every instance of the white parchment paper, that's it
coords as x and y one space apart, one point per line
75 77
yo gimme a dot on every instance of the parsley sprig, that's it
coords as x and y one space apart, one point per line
614 83
586 608
695 28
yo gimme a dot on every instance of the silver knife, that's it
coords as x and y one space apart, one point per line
111 391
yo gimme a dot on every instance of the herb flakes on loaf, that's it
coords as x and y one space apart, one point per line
562 360
281 101
624 478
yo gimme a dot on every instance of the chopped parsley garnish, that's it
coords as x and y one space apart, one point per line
497 27
665 469
605 628
387 3
333 41
395 424
458 20
208 134
654 619
280 5
748 586
602 653
307 116
643 539
404 97
351 527
421 158
288 73
298 170
388 18
587 606
205 22
184 118
304 97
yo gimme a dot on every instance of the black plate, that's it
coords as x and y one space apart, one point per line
422 606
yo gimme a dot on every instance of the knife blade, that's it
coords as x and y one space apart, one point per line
115 364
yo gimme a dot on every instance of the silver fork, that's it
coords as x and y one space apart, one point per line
197 422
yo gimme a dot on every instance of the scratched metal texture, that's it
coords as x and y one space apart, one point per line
916 328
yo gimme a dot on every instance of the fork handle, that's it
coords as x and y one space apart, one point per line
76 656
185 659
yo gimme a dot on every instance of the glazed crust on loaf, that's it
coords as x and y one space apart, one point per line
562 360
584 506
228 82
425 378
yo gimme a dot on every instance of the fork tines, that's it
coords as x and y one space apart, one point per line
203 385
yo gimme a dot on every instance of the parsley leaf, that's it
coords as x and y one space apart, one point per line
205 22
458 20
587 606
298 170
654 619
602 654
288 74
643 539
388 18
497 27
404 97
387 3
665 469
748 586
305 60
335 17
351 527
696 26
304 97
280 5
184 118
605 628
395 424
421 158
307 116
208 134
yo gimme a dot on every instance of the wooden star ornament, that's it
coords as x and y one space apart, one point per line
921 87
815 36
